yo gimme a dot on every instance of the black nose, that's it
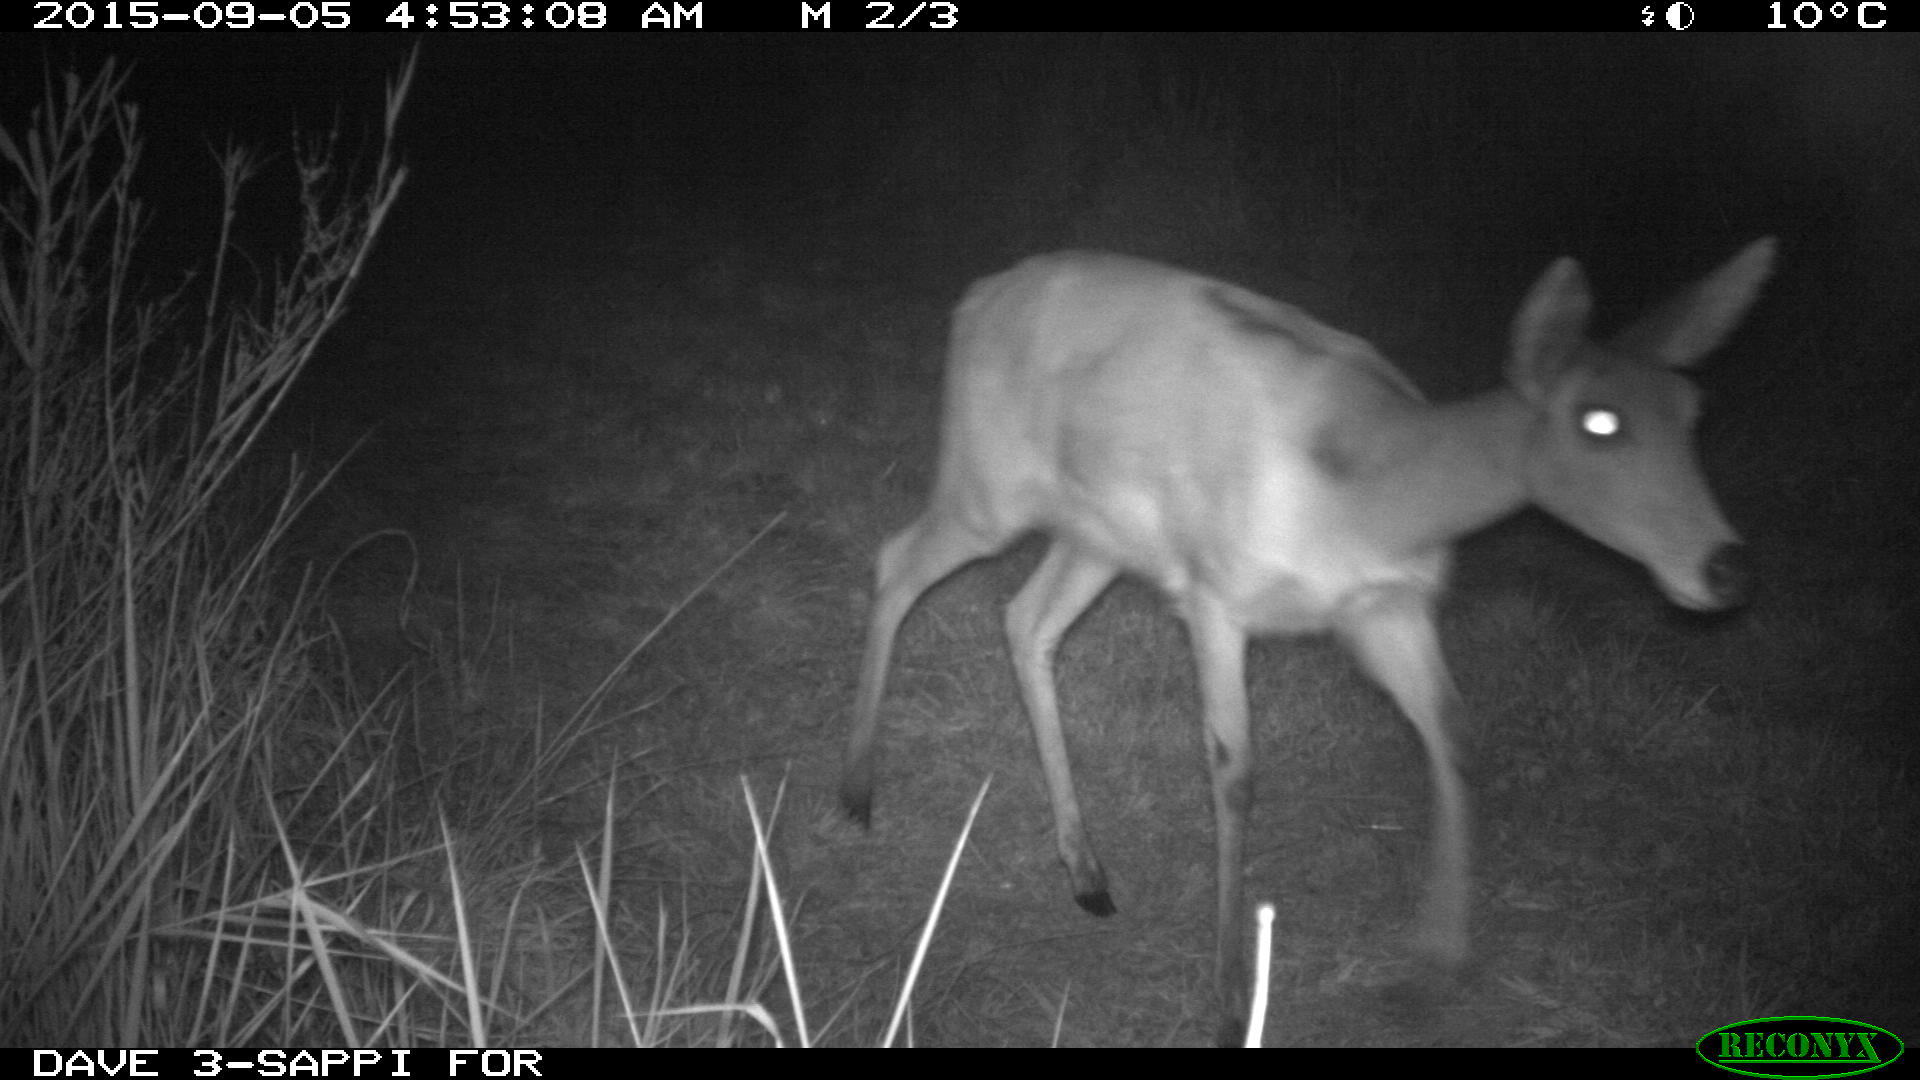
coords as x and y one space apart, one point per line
1729 575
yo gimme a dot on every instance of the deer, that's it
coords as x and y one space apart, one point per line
1272 475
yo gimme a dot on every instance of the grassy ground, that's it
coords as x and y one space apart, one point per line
1656 822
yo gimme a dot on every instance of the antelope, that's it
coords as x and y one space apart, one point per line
1274 475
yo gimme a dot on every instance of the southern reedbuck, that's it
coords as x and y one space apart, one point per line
1273 475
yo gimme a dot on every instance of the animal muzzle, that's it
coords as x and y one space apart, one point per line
1728 576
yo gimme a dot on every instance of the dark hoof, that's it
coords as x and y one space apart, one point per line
1095 903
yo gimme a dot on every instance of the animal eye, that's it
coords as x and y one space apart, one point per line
1600 422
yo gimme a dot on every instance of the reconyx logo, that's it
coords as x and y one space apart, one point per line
1799 1047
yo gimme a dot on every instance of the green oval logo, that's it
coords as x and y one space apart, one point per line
1799 1047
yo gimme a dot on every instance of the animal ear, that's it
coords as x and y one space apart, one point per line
1694 321
1549 327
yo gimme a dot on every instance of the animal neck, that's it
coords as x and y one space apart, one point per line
1455 468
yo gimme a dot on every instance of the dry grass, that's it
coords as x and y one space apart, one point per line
226 823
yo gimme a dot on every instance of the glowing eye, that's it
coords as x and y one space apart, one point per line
1601 423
